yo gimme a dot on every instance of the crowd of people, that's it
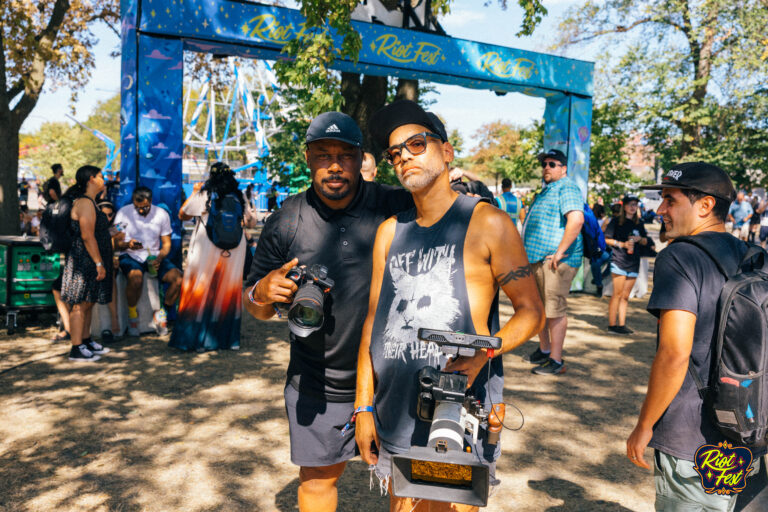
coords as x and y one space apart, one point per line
432 254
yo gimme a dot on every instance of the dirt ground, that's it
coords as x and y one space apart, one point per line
151 429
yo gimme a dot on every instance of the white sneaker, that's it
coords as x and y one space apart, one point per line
160 322
133 328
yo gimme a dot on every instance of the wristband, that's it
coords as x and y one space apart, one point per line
252 298
362 408
100 264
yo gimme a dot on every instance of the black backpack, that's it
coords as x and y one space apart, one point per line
55 226
225 222
737 391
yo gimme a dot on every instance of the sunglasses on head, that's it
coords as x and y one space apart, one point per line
551 164
415 144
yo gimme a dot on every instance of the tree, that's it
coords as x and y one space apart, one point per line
40 42
317 88
507 151
685 65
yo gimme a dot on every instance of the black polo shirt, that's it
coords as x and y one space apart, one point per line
324 364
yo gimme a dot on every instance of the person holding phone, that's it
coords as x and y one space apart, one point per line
146 246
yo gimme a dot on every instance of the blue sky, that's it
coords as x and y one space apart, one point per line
464 109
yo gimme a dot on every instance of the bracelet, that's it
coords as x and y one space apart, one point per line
252 298
100 264
362 408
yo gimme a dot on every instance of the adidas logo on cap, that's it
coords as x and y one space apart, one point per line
332 129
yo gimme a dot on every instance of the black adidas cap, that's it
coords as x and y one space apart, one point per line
701 176
336 126
439 126
399 113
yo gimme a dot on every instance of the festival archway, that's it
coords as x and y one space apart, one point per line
155 34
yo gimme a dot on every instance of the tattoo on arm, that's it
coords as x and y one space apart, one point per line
514 275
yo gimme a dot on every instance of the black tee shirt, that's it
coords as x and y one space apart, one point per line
51 184
685 278
324 364
621 232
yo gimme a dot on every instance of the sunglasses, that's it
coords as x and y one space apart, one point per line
415 144
551 164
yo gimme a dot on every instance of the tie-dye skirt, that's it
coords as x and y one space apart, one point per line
211 296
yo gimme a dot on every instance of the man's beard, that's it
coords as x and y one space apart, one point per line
335 195
417 181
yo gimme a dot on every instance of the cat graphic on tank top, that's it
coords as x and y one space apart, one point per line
422 300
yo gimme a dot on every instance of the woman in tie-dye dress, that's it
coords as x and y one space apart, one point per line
211 293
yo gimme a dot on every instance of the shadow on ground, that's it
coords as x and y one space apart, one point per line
148 428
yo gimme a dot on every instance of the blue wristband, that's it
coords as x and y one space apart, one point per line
362 408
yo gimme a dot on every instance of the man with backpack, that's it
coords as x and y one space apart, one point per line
52 186
678 416
333 223
146 246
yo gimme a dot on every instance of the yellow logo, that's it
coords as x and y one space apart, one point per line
267 28
520 68
422 52
723 468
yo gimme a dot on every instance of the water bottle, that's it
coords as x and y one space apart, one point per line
151 268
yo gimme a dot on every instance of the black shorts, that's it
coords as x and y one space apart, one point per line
315 427
763 233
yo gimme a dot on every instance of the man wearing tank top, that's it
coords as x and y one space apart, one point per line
440 266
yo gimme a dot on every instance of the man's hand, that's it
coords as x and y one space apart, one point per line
275 287
636 445
469 366
156 263
135 245
554 260
366 436
101 272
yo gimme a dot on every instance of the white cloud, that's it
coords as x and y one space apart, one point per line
461 18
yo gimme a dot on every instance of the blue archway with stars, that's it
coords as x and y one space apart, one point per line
155 34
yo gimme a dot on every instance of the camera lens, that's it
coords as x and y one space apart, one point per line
306 313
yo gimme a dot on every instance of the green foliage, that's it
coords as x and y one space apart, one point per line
608 160
71 145
688 77
507 151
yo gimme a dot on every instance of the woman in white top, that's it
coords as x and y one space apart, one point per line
211 293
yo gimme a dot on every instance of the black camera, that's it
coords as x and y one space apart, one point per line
443 470
305 313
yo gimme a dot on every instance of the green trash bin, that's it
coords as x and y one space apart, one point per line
27 273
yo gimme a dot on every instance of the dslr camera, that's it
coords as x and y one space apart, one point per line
444 470
306 312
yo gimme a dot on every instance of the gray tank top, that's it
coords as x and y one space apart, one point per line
423 286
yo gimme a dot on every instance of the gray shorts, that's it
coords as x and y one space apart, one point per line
679 489
315 428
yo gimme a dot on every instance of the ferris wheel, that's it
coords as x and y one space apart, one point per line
250 103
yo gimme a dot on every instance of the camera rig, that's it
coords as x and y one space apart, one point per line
443 470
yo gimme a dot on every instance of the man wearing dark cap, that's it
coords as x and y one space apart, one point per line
687 285
333 223
552 235
440 266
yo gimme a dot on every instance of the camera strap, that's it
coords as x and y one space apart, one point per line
364 408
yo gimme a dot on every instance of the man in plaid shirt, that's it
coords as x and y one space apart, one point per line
552 238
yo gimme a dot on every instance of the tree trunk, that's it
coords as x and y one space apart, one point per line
361 100
407 89
9 170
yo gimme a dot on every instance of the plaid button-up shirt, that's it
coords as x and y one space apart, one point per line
545 222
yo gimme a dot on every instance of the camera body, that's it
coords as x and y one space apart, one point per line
306 312
442 470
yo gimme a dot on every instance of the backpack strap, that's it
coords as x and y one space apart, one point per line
710 252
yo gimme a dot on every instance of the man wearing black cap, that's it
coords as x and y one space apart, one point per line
333 224
439 266
687 285
552 235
